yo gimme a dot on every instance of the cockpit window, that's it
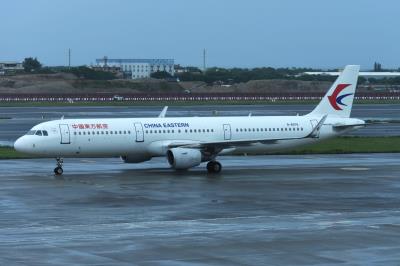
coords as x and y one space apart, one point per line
31 132
38 133
45 133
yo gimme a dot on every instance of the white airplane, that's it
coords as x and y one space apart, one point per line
186 142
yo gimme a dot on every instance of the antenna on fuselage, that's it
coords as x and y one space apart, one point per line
62 118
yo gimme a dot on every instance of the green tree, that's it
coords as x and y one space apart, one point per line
88 73
31 64
160 75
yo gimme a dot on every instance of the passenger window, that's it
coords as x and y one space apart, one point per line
212 130
179 131
102 132
88 133
74 133
168 131
194 130
173 131
79 133
115 132
129 132
84 133
120 132
190 131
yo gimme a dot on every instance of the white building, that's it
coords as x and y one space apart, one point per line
139 68
10 67
366 74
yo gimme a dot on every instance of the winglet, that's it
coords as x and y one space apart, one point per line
315 132
163 112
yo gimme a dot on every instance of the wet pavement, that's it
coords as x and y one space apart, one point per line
263 210
24 118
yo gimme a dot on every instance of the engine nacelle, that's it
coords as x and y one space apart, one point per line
135 158
183 158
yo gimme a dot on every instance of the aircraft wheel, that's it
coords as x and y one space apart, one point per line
58 171
214 167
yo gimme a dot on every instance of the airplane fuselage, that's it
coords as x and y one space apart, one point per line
145 138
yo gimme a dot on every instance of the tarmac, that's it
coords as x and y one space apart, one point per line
261 210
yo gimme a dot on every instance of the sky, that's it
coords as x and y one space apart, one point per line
235 33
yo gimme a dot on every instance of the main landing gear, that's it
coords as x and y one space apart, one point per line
58 170
214 167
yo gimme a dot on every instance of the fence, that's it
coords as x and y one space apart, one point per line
187 97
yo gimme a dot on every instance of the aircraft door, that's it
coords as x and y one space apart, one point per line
65 134
227 132
139 132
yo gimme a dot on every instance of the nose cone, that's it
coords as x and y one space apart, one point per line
21 145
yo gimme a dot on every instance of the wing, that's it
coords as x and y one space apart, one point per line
224 144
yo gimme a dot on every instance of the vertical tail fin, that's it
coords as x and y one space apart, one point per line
338 101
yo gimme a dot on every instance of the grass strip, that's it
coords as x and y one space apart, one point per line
344 145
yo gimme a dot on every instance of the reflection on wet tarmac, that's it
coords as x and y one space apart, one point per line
264 210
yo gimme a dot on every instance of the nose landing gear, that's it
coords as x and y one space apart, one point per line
59 170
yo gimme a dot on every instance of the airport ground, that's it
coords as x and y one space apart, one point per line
262 210
265 210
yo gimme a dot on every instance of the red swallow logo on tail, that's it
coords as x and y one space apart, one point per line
336 100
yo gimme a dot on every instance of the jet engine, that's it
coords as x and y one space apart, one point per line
183 158
135 158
